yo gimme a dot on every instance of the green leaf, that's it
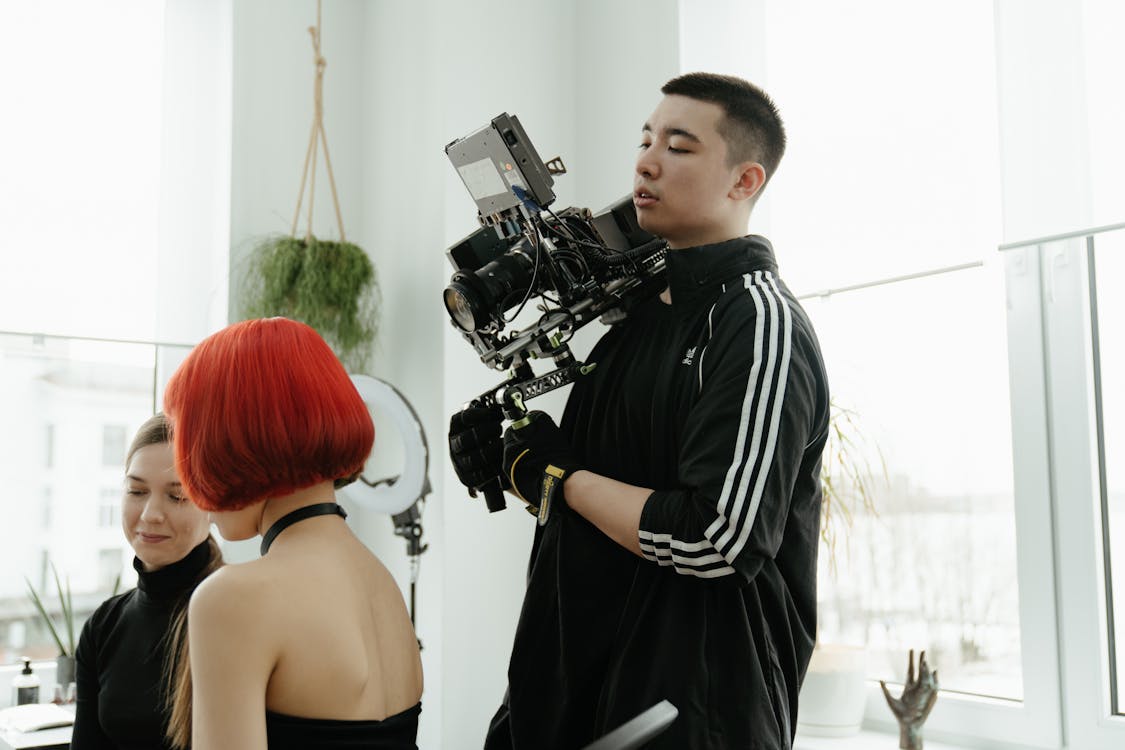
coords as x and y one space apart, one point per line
848 481
34 595
70 615
67 613
330 286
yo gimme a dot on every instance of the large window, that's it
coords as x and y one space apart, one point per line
81 166
898 251
934 566
115 184
76 387
924 137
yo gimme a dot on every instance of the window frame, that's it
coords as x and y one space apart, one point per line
1060 540
1076 467
1036 721
1059 534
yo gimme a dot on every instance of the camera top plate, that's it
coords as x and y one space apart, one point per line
501 168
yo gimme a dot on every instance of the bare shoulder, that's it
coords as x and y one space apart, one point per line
232 653
234 594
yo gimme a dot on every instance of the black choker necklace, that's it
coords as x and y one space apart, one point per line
309 511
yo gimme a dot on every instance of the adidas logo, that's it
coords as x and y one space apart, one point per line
689 356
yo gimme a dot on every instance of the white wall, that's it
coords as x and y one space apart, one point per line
404 79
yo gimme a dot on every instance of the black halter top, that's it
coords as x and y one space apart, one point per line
397 732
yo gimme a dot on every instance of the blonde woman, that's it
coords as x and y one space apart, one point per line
131 647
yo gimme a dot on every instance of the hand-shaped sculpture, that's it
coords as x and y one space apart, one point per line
918 697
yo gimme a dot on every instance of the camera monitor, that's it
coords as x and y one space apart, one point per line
500 167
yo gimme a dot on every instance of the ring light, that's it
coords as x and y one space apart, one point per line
395 495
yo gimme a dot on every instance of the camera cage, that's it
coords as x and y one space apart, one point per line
585 265
580 265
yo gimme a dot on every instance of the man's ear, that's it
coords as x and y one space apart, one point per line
751 176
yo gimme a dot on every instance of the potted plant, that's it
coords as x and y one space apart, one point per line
328 285
833 695
64 662
847 478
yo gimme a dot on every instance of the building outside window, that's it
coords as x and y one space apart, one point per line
113 444
109 507
49 446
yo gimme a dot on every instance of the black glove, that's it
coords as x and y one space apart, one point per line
537 460
475 446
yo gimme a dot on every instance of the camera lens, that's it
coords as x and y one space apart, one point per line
460 308
473 298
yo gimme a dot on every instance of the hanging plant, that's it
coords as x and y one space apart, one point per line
328 285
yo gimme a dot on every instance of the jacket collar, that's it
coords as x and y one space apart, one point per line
694 273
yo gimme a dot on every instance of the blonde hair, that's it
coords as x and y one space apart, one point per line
177 691
177 664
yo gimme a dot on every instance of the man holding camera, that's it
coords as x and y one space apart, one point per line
679 558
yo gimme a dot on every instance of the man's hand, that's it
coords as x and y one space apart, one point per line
537 460
475 445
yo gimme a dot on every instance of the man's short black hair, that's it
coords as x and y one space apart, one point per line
752 127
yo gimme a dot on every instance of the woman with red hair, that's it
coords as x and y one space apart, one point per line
310 645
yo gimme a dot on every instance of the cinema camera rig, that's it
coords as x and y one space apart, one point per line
580 265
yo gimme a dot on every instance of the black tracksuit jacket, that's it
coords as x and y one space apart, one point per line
719 402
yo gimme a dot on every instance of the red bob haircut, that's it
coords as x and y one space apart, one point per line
261 409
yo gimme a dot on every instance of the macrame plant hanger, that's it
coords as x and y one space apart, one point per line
328 284
317 136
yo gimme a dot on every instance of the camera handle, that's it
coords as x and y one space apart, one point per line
520 388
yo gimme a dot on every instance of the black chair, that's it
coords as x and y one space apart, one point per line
638 730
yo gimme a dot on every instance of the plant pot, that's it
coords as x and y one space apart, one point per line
833 695
64 671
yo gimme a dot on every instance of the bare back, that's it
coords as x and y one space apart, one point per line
317 628
347 647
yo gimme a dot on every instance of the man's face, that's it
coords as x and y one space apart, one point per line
682 188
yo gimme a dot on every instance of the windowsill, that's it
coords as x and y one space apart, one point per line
865 740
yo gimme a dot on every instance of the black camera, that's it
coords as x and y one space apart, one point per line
569 257
578 265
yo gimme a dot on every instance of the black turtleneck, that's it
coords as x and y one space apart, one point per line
119 666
